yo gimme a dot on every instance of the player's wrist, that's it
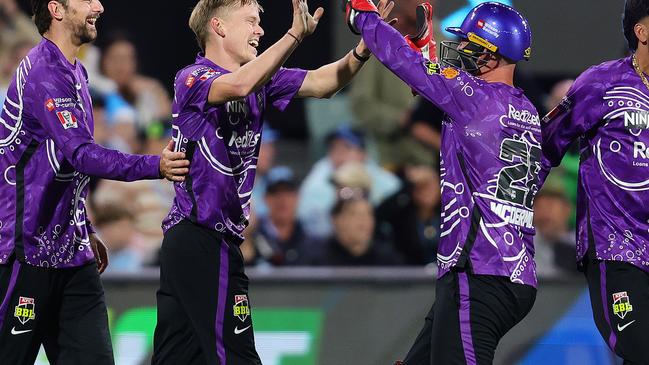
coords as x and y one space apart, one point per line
297 36
362 56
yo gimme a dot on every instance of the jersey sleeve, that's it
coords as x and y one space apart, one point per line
283 86
55 105
453 91
579 111
192 90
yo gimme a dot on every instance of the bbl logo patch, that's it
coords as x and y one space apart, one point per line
24 311
450 73
432 68
621 304
241 308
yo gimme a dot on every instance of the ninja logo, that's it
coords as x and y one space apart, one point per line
636 120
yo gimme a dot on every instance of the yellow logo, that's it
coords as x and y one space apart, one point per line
433 68
450 73
528 53
241 308
474 38
24 311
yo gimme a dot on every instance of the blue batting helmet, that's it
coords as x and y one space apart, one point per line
499 28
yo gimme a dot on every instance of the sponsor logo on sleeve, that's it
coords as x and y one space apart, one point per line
621 304
433 68
190 81
24 311
241 308
67 119
450 73
49 104
208 75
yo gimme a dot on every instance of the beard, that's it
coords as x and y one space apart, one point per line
83 34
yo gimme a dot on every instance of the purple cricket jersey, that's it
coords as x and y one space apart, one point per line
490 159
223 144
47 155
607 110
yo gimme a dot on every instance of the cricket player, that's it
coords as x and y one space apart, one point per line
50 256
490 159
204 312
607 111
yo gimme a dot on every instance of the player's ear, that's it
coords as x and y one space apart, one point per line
56 10
217 26
642 33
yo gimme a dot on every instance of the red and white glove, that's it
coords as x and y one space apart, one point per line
353 7
424 40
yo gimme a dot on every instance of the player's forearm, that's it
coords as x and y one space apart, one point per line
254 74
391 49
327 80
94 160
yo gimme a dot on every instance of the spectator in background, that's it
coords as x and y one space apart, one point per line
318 192
411 218
16 29
115 225
554 241
9 63
265 162
559 90
352 242
381 102
281 239
425 125
145 95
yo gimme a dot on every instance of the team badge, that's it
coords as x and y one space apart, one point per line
241 308
49 104
450 73
433 68
190 81
24 311
208 75
67 119
621 304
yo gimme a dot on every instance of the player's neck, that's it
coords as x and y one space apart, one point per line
503 74
65 43
221 58
642 56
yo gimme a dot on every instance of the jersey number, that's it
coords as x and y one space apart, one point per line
518 183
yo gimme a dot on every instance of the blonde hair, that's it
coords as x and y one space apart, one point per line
205 10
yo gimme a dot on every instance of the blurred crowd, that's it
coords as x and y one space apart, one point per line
371 198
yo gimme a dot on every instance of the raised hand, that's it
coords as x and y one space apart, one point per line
385 8
304 24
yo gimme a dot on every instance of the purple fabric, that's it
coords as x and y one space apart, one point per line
48 107
489 159
606 110
222 299
15 270
226 139
465 319
612 338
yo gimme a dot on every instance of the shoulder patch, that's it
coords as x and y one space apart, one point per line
433 68
450 73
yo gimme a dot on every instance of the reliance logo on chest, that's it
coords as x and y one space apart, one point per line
248 139
524 116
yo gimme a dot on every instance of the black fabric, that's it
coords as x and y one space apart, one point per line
495 306
624 332
20 198
334 254
69 316
188 299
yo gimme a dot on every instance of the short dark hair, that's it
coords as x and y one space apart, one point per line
634 11
42 16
